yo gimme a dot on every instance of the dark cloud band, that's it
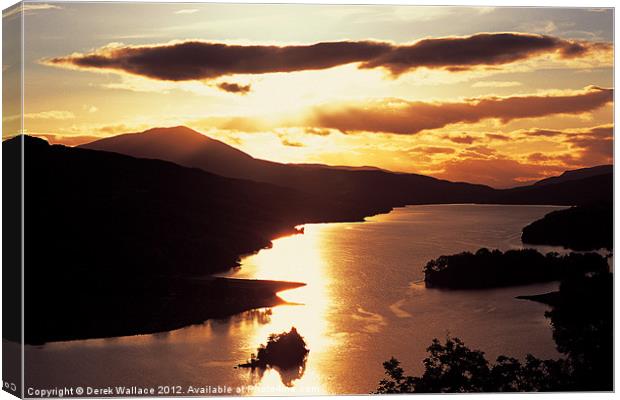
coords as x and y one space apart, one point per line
197 60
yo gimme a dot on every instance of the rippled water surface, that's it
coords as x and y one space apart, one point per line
363 303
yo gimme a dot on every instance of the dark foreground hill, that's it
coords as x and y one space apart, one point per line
106 232
376 190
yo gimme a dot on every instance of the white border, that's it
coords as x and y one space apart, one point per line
504 3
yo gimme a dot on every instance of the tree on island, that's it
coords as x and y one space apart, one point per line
493 268
285 350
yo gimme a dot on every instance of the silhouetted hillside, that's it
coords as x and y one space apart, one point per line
587 227
109 232
593 189
577 174
374 189
183 146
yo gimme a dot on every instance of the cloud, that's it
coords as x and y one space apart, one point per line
196 60
60 115
290 143
90 109
234 88
483 49
234 123
317 132
572 149
464 139
477 151
498 172
113 129
594 146
565 158
496 84
543 133
602 131
498 136
54 114
200 60
187 11
432 150
27 8
410 117
67 140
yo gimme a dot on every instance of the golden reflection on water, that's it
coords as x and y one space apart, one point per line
298 258
360 306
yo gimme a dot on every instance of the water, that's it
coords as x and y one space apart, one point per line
364 302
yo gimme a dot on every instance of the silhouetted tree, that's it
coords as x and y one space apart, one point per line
454 368
583 329
396 381
285 350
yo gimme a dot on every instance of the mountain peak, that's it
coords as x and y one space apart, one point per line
179 144
172 129
180 131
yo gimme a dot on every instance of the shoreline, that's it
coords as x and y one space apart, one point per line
234 300
192 301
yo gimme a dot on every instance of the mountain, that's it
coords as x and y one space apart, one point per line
378 190
577 174
137 205
117 239
374 189
183 146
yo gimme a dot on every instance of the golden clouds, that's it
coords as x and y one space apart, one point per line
428 106
400 116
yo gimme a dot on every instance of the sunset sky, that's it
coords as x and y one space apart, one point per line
500 96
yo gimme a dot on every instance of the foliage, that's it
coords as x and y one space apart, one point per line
582 320
286 350
493 268
454 368
583 329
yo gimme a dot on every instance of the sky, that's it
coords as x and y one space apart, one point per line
499 96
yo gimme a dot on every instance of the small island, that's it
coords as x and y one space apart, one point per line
584 227
493 268
286 350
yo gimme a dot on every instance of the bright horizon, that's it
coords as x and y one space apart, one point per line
504 97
